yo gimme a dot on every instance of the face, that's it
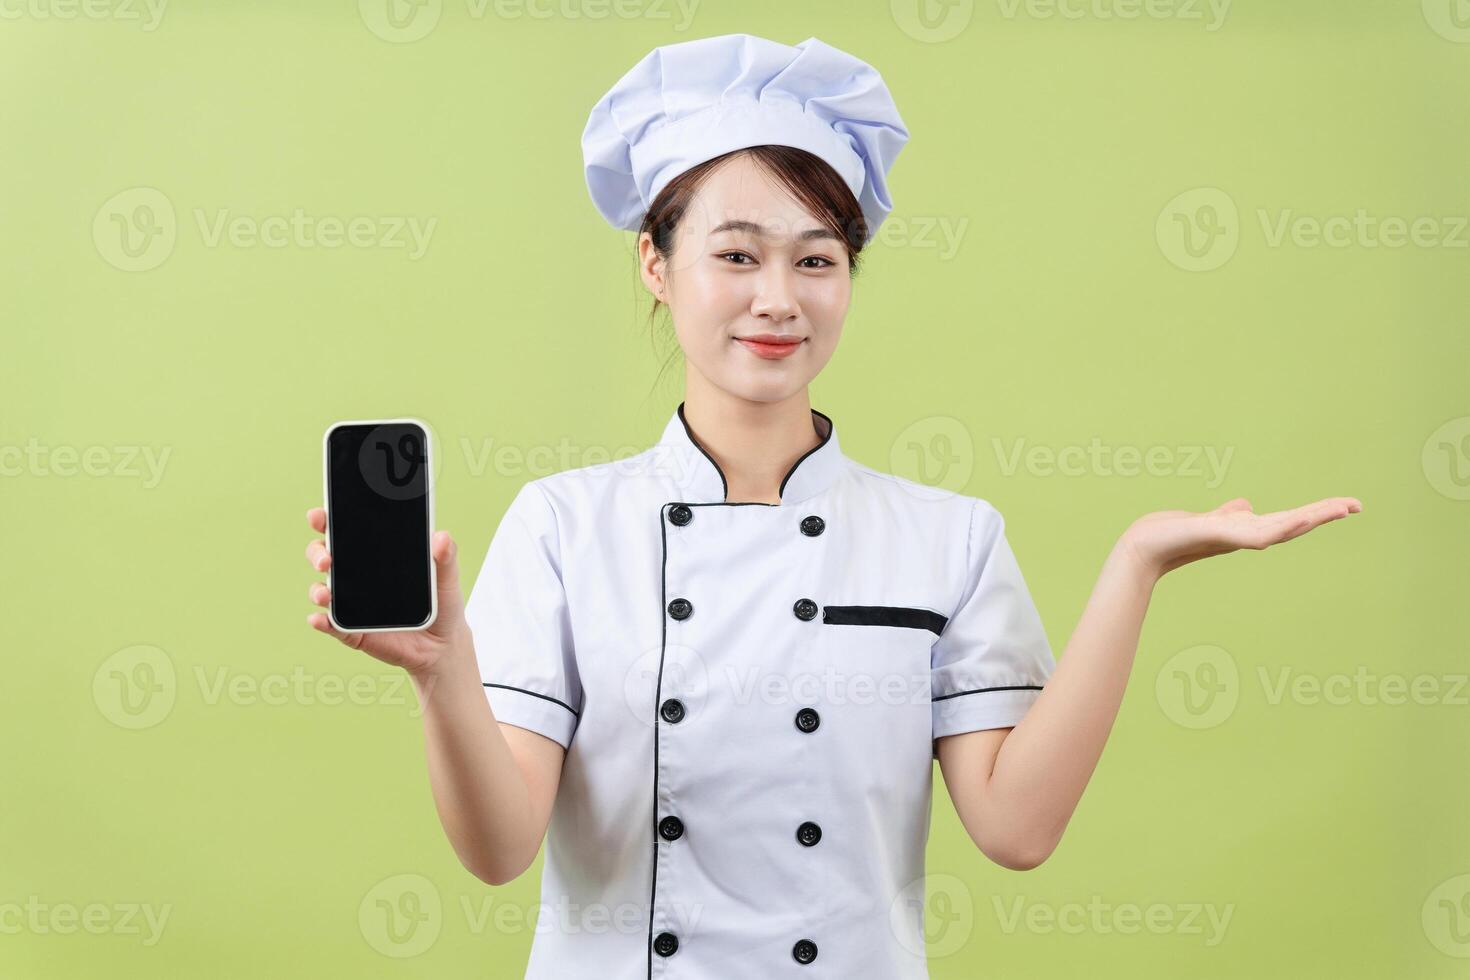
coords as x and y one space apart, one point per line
756 285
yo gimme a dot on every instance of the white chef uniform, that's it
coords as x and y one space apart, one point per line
749 695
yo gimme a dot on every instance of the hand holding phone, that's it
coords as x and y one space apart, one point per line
392 579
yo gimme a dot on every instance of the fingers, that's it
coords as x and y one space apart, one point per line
1287 524
321 623
1328 509
319 592
316 551
1318 515
318 556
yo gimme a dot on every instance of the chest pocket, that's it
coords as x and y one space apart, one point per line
909 617
878 657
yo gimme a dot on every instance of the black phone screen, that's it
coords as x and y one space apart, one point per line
378 525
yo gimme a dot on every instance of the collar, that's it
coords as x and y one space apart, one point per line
700 480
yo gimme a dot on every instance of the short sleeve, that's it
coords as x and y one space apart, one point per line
517 614
992 656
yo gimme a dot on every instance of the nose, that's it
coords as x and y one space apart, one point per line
775 297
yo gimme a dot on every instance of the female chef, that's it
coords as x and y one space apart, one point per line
713 676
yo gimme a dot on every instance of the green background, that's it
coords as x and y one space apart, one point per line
263 808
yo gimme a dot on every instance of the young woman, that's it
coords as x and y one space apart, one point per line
718 672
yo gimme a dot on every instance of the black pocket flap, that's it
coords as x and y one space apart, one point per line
910 616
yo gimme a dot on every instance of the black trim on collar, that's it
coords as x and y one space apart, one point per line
724 484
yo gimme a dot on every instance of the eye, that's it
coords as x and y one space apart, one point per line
825 261
725 255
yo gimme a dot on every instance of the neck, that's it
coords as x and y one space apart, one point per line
753 443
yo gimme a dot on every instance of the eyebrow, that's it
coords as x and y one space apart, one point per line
750 226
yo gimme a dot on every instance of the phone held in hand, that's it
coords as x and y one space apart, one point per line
379 492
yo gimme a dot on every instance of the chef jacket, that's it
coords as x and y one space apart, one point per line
749 695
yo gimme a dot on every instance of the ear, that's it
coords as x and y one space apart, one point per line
651 267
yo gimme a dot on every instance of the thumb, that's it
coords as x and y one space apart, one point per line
1239 503
446 565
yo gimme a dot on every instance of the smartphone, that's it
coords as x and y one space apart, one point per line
379 491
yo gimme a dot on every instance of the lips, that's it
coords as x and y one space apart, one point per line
771 346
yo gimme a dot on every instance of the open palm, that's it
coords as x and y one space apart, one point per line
1167 539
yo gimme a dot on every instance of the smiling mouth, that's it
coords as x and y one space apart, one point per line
771 346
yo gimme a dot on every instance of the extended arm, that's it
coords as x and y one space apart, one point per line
1015 789
494 784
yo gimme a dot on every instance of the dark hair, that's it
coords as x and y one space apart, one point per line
809 178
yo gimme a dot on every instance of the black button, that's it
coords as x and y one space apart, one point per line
672 710
808 833
665 943
804 951
812 526
682 608
672 828
804 609
807 719
680 515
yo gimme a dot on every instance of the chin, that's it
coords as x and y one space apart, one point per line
775 387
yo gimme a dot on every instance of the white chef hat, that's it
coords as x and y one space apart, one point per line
690 102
